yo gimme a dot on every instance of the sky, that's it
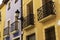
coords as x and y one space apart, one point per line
0 1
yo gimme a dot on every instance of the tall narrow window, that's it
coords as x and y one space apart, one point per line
30 7
29 19
8 6
16 1
31 37
50 34
30 16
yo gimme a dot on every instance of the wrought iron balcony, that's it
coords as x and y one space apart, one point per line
14 26
16 34
28 20
6 31
7 38
46 10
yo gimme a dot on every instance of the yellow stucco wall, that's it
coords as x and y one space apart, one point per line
2 23
39 28
57 3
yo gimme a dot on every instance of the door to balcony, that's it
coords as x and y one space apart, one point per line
46 11
47 7
29 19
30 8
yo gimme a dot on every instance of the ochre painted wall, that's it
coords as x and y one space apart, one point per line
2 22
39 28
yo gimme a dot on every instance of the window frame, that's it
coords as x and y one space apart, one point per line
28 37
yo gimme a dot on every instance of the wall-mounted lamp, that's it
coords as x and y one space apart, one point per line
17 14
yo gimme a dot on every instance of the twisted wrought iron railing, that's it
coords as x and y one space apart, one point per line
6 31
28 20
46 10
14 26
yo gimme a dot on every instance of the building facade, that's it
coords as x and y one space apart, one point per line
41 19
12 29
2 17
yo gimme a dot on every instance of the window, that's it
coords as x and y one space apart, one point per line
31 37
16 1
50 34
30 7
0 16
8 6
29 19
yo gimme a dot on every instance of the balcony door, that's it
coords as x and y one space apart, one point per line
30 8
47 7
30 19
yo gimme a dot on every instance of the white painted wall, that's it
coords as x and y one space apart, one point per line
10 14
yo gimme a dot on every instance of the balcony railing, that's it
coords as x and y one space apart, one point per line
46 10
7 38
6 31
14 26
16 34
28 20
